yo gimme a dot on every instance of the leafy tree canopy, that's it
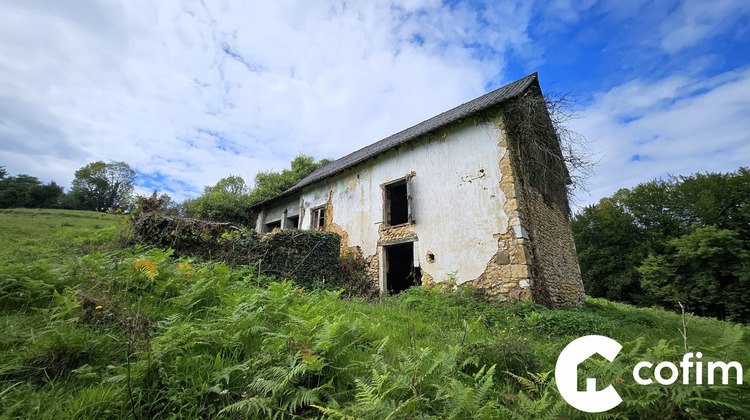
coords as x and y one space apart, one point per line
233 184
705 269
28 191
643 245
227 201
269 184
230 199
100 186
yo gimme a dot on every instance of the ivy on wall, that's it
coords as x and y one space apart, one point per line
310 257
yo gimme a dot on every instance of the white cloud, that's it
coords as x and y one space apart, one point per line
194 91
566 11
191 91
677 125
697 20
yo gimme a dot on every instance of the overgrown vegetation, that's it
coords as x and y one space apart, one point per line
551 157
309 257
227 201
91 330
684 239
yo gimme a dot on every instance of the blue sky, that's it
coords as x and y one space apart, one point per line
188 92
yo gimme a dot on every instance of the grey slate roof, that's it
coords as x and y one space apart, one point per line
462 111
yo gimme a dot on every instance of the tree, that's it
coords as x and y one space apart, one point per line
28 191
230 199
100 186
610 247
659 242
227 201
233 184
721 200
269 184
705 269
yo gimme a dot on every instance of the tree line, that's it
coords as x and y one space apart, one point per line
101 186
230 199
685 239
98 186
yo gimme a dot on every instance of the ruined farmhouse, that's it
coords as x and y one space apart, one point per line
476 194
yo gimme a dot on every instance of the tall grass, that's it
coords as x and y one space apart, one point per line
92 331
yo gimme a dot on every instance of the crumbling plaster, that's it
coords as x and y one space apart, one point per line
473 212
458 203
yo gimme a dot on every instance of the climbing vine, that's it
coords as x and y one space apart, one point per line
310 257
548 155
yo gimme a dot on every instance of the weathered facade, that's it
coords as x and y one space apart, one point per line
476 194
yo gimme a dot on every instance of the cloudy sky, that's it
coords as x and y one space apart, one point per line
188 92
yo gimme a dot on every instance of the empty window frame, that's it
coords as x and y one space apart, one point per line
292 222
397 202
318 219
273 225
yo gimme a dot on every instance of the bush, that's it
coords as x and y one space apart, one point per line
568 323
354 279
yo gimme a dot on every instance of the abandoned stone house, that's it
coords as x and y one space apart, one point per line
476 194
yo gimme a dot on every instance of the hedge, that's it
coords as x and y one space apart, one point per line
310 257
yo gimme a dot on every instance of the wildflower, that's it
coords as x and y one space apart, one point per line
504 330
99 306
524 339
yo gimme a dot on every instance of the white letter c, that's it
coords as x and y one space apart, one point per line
637 373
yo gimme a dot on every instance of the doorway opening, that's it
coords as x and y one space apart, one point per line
400 271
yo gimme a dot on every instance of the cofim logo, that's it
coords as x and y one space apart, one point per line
593 401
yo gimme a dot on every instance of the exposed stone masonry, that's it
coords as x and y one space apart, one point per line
509 274
556 261
535 258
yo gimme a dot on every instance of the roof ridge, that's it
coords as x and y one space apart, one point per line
494 97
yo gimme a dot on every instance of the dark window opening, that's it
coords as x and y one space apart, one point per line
397 203
292 222
273 225
401 273
318 219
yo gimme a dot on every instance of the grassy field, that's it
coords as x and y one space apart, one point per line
93 330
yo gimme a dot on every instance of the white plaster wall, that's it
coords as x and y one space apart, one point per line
457 204
289 204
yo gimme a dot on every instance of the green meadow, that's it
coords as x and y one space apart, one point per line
91 327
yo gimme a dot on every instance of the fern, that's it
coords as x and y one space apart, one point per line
185 268
372 400
252 405
146 267
472 398
540 401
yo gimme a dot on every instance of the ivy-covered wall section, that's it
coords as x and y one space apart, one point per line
543 179
310 257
